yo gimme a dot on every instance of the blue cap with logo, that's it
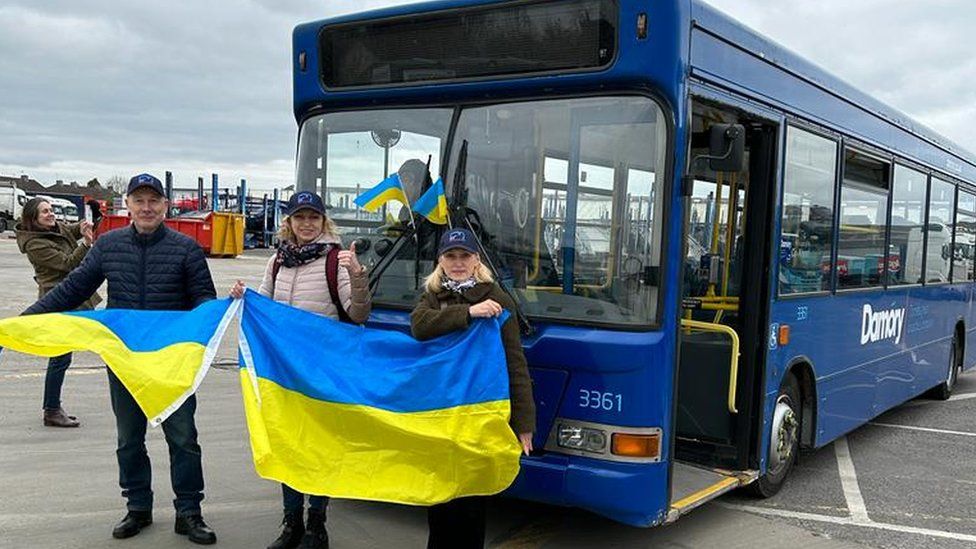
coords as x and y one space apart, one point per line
457 239
305 200
145 180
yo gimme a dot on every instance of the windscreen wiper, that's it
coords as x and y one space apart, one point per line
463 214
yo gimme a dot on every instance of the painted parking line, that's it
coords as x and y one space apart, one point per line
953 398
71 372
855 502
848 481
923 429
849 521
962 396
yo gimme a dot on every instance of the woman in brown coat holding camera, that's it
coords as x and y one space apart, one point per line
53 250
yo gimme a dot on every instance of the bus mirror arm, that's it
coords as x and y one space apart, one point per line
387 259
461 213
726 148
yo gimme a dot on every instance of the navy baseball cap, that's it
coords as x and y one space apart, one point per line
457 239
305 200
145 180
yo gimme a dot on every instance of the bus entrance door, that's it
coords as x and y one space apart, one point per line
726 218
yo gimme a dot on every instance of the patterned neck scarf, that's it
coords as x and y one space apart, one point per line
292 255
458 287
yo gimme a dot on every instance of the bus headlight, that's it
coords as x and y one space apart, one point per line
609 442
582 438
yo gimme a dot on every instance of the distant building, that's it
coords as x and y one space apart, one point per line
93 189
23 183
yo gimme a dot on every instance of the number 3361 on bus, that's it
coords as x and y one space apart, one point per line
599 400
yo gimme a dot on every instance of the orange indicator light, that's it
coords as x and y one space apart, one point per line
784 334
638 446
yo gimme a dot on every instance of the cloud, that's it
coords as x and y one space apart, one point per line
913 56
102 88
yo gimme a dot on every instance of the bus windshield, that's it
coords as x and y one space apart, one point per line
566 193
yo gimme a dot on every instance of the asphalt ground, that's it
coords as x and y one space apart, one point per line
58 487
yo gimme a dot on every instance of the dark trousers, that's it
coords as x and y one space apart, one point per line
294 501
457 524
135 472
56 367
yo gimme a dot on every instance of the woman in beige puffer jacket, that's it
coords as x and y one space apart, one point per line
307 287
296 275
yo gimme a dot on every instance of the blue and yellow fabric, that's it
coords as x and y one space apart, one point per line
160 356
383 192
433 203
332 409
346 411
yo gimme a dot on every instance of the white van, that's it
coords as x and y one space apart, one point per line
69 210
11 205
55 205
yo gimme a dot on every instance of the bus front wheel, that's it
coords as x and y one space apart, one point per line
784 440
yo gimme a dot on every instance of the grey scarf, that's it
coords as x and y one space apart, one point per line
459 287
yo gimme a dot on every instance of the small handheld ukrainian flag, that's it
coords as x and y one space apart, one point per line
385 191
433 203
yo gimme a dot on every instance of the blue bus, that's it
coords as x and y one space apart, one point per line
721 253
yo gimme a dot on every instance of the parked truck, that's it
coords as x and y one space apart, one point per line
12 202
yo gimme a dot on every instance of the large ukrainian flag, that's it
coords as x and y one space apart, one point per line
345 411
160 356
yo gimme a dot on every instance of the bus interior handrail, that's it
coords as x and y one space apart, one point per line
734 367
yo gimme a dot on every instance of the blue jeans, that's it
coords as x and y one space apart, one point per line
56 367
294 500
135 472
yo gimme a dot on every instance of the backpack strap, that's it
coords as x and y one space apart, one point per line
332 278
275 267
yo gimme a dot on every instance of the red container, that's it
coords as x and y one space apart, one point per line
110 222
197 228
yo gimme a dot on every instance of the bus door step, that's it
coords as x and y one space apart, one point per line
692 486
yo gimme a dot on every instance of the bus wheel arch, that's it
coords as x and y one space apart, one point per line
802 371
957 351
960 344
791 418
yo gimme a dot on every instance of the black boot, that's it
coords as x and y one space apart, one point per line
193 526
131 524
315 535
292 530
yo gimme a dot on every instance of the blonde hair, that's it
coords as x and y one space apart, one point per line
435 280
286 234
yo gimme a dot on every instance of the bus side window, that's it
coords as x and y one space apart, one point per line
861 257
965 237
907 217
942 206
808 213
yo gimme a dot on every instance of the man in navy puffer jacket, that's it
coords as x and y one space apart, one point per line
147 266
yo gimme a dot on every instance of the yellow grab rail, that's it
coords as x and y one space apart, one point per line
734 369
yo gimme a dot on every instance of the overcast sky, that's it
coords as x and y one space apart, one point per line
103 88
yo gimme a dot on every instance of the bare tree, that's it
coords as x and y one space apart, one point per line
117 183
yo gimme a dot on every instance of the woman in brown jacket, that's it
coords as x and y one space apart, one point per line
297 275
53 250
460 289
